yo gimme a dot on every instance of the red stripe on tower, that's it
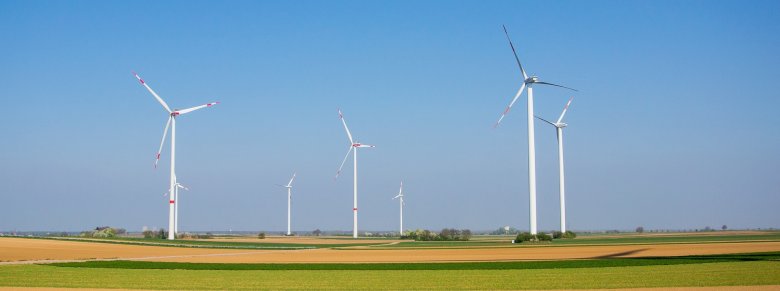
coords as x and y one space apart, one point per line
171 201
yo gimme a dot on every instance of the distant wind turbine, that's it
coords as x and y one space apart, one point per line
401 202
289 199
528 82
559 130
353 145
178 186
172 114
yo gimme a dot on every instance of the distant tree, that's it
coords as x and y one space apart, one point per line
465 234
162 234
569 234
148 234
316 232
543 237
261 235
707 228
523 237
447 234
557 234
640 229
723 227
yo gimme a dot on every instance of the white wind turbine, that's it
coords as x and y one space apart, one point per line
559 130
176 192
352 145
172 114
176 205
289 199
401 202
528 82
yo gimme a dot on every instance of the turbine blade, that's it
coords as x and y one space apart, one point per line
341 116
162 142
291 180
401 190
342 162
506 111
556 85
162 102
180 186
396 196
545 120
525 76
191 109
564 110
362 145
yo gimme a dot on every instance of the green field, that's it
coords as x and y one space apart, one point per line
511 265
477 241
206 243
489 241
750 269
762 272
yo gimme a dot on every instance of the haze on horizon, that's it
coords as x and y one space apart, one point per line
672 127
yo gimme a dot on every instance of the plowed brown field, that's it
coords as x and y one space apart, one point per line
19 249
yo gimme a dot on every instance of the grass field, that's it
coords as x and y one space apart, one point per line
561 264
596 240
702 274
183 243
477 241
484 263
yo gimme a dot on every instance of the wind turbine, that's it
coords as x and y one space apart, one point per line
559 130
176 193
172 114
352 145
401 202
176 207
289 198
528 82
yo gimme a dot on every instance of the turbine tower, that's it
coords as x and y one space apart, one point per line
176 205
559 130
172 114
289 199
528 82
401 202
352 145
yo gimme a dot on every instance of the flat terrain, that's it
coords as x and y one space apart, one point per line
688 275
306 240
614 261
24 249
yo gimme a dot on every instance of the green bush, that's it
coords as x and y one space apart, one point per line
447 234
557 234
543 237
569 234
261 235
523 237
527 237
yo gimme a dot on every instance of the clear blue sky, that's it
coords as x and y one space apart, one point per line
673 127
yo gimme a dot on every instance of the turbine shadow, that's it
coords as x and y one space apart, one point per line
620 254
